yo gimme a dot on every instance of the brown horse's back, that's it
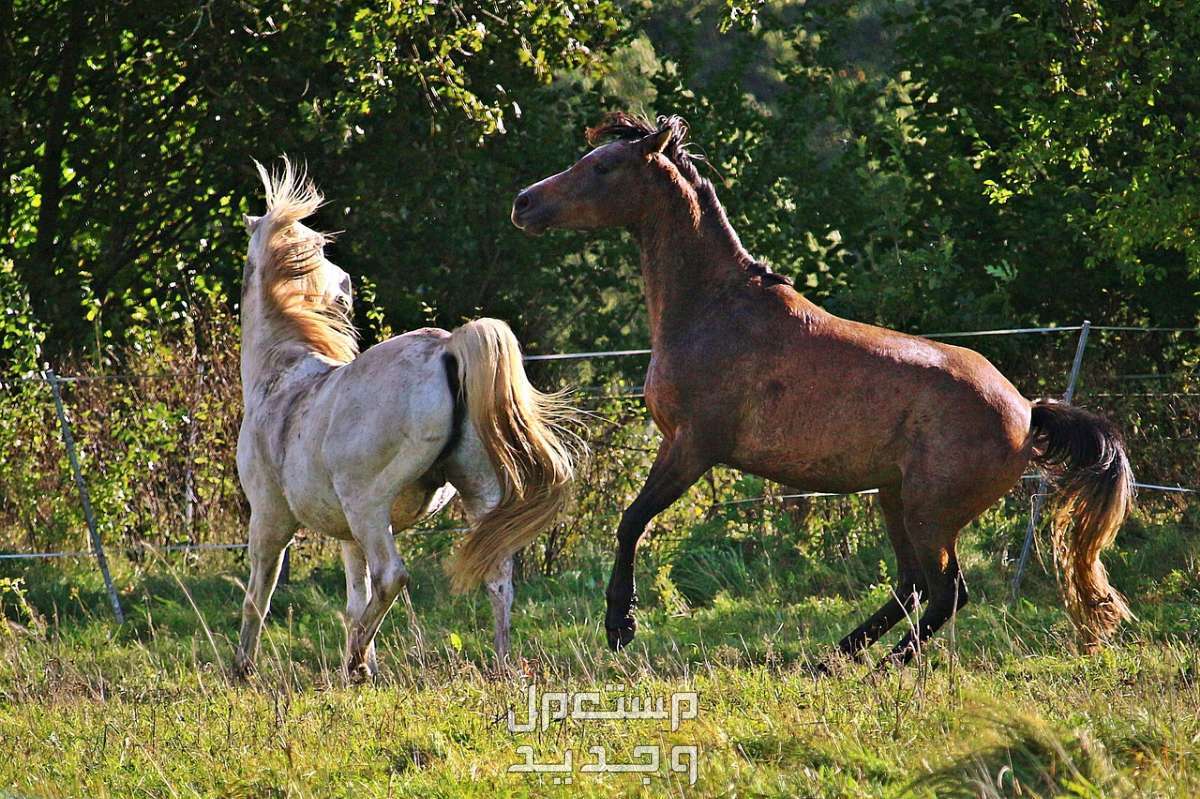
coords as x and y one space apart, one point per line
837 405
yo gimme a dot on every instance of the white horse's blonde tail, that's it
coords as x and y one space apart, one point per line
527 437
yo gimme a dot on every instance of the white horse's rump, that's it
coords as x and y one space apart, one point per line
357 446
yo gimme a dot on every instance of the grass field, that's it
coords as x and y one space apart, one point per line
1000 707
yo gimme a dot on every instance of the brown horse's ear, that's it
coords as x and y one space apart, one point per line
251 222
657 142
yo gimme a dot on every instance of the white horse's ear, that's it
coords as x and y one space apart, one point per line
657 142
251 222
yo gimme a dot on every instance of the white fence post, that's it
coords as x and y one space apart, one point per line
1039 498
97 547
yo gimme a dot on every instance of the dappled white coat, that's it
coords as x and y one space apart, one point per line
358 446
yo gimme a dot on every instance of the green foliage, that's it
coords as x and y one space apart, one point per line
20 335
128 136
13 595
933 165
1072 121
156 449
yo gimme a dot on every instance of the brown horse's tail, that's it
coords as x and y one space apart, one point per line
526 435
1085 455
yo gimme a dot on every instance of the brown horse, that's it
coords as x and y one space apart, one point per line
746 372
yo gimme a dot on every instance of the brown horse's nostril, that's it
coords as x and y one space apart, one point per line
522 201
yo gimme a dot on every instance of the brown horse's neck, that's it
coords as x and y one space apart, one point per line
690 254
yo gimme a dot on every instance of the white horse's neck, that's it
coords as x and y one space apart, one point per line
272 354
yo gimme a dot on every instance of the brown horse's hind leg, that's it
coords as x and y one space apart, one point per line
910 580
946 486
947 590
676 467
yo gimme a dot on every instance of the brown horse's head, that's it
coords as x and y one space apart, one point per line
611 185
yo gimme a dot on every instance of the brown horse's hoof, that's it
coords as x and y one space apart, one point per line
896 660
620 637
835 664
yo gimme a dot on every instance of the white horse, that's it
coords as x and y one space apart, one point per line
357 446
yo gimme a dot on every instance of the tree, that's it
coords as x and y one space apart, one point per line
127 136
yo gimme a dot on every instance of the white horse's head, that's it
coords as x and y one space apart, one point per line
338 288
287 271
327 283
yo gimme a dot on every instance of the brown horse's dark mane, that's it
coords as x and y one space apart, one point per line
631 127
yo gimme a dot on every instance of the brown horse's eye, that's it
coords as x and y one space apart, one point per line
601 168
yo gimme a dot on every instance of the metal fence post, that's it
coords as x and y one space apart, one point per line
97 547
1039 498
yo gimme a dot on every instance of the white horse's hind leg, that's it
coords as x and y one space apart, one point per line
388 576
500 591
270 534
358 595
472 474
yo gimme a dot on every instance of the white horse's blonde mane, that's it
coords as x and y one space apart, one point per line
288 282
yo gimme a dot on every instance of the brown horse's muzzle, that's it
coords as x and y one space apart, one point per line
529 213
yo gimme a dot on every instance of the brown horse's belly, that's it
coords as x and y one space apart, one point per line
818 442
872 436
841 471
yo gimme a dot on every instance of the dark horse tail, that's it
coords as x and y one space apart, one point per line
1085 456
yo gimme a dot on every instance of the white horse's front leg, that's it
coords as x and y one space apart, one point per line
500 592
388 577
270 533
358 596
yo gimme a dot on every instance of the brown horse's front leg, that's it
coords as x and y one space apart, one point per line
675 469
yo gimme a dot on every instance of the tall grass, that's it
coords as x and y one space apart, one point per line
738 601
